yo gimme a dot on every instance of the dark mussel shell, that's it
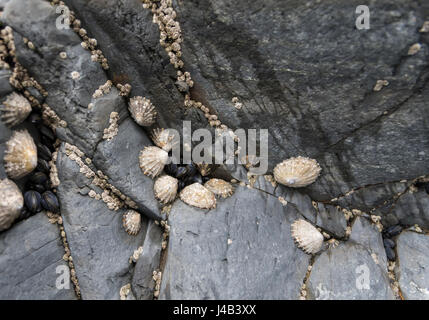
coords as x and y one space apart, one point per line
427 187
182 184
50 202
193 179
32 200
181 172
43 165
393 231
171 169
25 213
192 169
47 132
389 243
35 118
39 178
390 253
44 152
40 188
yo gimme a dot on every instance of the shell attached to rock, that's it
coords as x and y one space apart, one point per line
165 188
15 109
297 172
131 220
142 110
198 196
152 160
307 237
163 138
220 187
11 203
20 155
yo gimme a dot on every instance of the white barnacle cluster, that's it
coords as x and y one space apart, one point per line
297 172
237 105
125 291
55 181
380 84
414 49
103 89
307 237
124 89
157 276
29 44
142 111
15 109
111 196
425 27
165 234
51 118
211 118
136 255
7 47
184 81
112 130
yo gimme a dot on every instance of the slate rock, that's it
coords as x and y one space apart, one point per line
413 208
413 277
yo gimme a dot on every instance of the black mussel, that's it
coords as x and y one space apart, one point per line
427 187
193 179
35 118
181 172
50 202
47 132
40 188
192 169
48 143
389 243
390 253
38 178
182 184
171 169
393 231
25 213
43 165
32 200
44 152
205 179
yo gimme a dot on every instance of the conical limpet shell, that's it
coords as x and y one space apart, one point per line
15 110
163 138
131 220
220 187
198 196
307 237
152 160
20 155
165 188
11 203
297 172
142 110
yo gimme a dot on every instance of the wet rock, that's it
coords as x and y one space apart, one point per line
30 255
356 269
413 208
412 249
332 220
216 254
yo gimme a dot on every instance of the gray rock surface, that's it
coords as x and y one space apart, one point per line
412 268
413 208
356 269
30 253
256 263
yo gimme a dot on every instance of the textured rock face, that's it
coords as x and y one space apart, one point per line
413 262
30 255
303 71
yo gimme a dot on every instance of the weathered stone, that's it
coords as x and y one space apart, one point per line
31 262
243 249
413 208
411 270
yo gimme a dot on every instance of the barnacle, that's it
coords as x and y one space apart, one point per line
220 187
11 203
205 169
131 220
20 155
15 110
307 237
297 172
198 196
165 188
152 160
163 138
142 111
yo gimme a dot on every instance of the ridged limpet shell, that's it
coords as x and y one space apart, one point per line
220 187
307 237
297 172
11 203
163 138
131 220
15 109
198 196
142 111
21 155
152 160
165 188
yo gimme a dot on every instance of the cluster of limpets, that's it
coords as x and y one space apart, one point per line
27 162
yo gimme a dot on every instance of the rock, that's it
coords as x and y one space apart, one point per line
5 87
356 269
413 208
119 160
331 219
99 245
31 261
412 249
243 249
142 283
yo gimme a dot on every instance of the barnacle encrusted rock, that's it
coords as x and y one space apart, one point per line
163 138
20 155
165 188
307 237
152 160
131 221
220 187
11 203
15 110
297 172
142 111
198 196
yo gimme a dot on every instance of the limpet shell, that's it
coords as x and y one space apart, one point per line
165 188
307 237
152 160
21 155
220 187
11 203
163 138
198 196
297 172
142 111
15 110
131 220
